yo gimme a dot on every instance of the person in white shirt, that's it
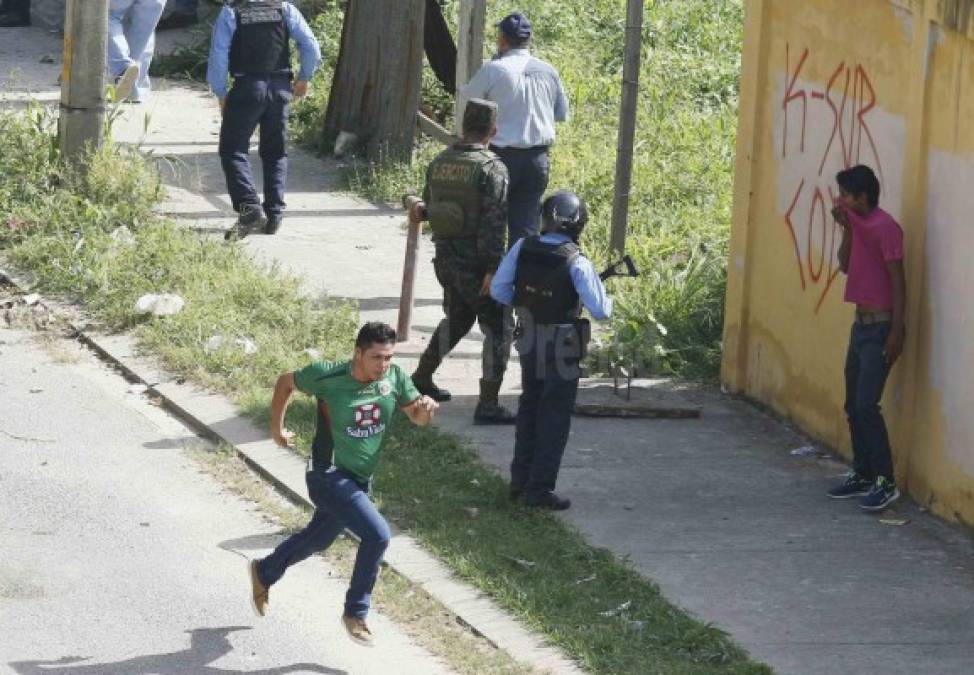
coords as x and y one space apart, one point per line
530 98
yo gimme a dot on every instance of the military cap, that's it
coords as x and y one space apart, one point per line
479 114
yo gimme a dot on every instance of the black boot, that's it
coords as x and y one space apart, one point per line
488 410
423 379
548 500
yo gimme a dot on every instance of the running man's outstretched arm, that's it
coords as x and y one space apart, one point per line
420 412
282 397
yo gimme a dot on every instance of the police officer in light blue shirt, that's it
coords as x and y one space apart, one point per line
252 44
548 280
530 99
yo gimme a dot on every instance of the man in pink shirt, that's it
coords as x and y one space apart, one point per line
871 255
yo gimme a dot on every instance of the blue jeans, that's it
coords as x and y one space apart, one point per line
131 39
256 101
549 385
866 371
341 501
528 170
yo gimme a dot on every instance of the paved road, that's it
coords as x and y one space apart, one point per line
119 556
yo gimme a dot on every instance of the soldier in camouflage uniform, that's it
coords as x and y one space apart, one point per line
465 201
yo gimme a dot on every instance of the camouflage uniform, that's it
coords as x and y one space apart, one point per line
466 201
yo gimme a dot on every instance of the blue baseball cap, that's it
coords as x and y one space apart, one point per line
515 25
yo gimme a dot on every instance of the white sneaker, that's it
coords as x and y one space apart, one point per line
126 82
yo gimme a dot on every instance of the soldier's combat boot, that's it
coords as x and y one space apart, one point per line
423 379
489 410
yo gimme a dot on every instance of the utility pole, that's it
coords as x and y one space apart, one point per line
627 124
470 48
81 124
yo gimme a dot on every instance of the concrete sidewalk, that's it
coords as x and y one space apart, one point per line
717 511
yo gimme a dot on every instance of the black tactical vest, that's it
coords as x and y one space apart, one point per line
543 281
261 44
454 191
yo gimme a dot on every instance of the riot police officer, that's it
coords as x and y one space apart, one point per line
252 44
465 201
548 280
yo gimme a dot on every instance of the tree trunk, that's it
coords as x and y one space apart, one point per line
376 90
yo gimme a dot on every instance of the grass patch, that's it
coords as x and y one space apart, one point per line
64 228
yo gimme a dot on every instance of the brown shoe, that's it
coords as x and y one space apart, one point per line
259 592
358 631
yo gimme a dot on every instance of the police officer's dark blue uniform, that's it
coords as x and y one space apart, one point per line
548 280
251 44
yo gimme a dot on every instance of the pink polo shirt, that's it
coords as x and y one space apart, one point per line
876 240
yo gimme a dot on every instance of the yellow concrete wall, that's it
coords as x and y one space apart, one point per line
827 84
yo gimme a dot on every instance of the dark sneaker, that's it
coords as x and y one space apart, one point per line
177 20
251 219
259 593
14 20
854 485
427 388
273 224
882 495
358 631
492 413
548 500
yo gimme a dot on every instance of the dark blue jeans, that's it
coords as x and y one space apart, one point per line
340 501
252 102
866 371
549 385
528 170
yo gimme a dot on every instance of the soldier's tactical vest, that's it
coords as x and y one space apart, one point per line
543 281
260 43
454 202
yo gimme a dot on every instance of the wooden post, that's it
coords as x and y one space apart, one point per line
627 124
81 123
470 48
408 273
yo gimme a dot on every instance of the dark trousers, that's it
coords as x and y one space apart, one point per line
462 305
340 501
549 385
18 7
528 170
866 371
253 102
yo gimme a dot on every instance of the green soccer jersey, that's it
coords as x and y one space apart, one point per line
357 414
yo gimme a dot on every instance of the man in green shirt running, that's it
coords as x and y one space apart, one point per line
356 401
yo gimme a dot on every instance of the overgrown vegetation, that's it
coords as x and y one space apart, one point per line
64 228
669 320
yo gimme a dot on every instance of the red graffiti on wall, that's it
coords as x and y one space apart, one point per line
845 105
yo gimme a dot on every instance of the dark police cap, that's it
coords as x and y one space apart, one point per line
479 114
515 25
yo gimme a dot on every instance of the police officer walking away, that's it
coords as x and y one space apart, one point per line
531 98
548 280
251 44
465 201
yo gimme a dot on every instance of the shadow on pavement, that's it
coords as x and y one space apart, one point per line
206 646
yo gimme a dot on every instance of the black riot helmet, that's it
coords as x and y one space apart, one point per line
564 212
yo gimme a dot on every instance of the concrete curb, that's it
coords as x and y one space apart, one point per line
215 417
